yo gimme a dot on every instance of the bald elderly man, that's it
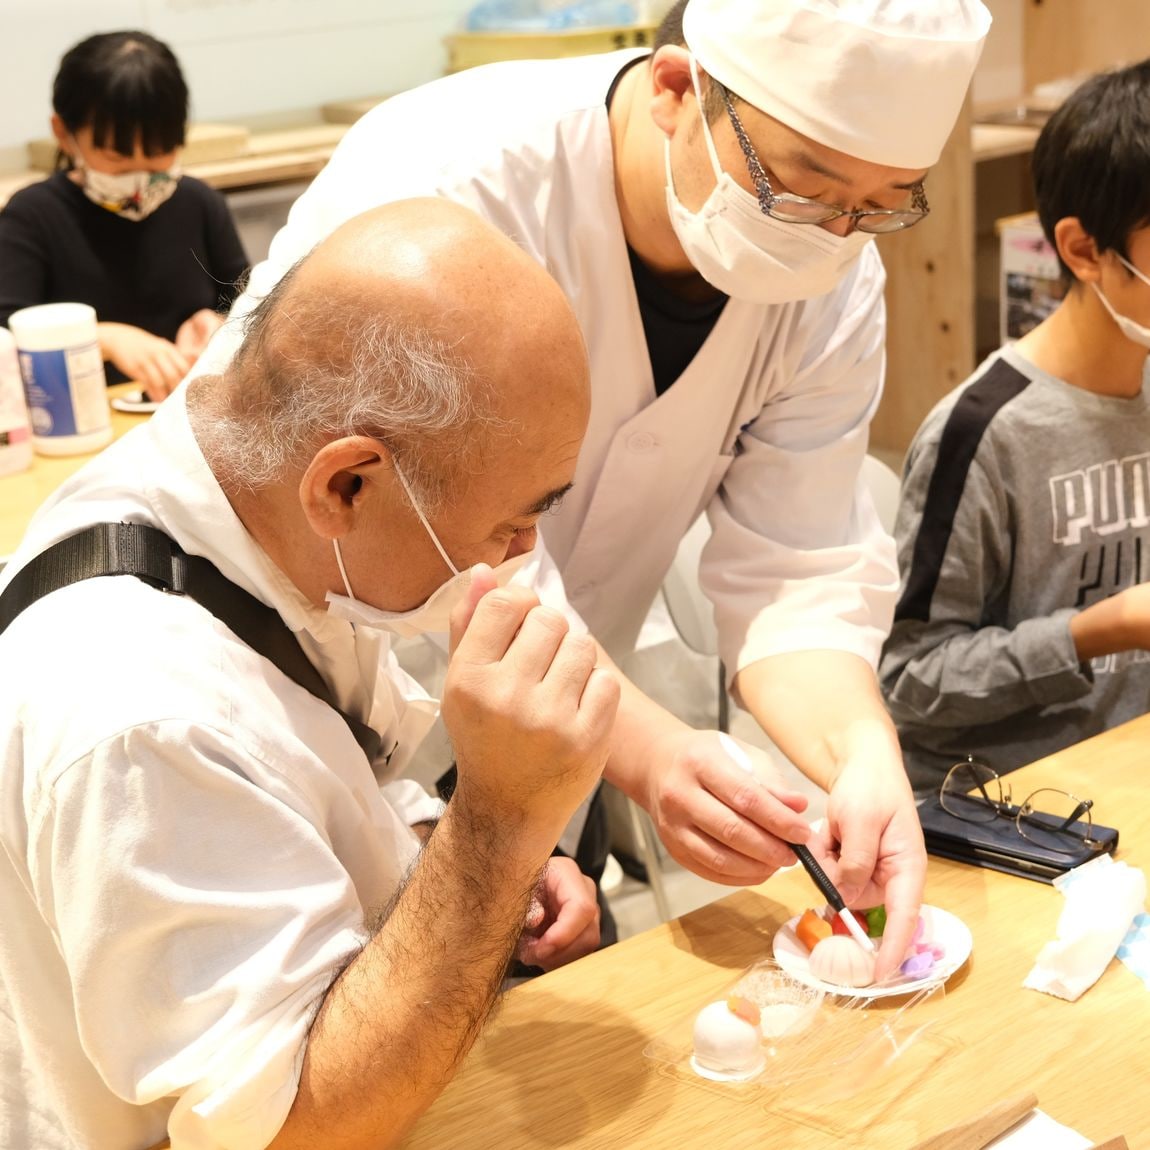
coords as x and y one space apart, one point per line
219 926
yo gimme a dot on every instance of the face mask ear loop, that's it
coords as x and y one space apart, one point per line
667 163
1133 270
342 570
716 167
423 519
1132 330
78 159
1120 320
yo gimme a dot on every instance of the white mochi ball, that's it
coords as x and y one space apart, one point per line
842 961
726 1045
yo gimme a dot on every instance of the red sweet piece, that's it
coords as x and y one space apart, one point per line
838 925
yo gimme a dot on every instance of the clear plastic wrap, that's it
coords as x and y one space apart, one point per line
819 1049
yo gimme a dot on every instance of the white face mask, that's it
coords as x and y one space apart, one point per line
736 247
129 195
1129 328
434 615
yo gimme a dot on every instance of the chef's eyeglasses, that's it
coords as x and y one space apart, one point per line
799 210
1050 818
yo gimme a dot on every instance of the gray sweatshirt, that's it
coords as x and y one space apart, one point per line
1024 500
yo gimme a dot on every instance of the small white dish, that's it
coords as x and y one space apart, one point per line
948 930
135 403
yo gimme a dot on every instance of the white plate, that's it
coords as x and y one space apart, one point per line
135 403
941 926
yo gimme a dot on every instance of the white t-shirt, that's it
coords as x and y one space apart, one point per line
192 843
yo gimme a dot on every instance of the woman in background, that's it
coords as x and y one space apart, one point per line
118 227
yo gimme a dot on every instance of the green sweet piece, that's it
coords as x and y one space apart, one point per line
875 921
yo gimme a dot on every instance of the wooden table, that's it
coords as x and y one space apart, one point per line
562 1064
21 494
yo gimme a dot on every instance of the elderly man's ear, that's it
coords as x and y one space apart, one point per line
339 481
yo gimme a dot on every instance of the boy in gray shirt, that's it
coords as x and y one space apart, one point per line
1023 624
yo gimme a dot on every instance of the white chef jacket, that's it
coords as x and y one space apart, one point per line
191 842
766 429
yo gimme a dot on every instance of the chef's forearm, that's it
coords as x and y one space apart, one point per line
821 708
638 745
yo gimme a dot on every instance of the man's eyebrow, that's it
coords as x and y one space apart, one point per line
807 161
549 501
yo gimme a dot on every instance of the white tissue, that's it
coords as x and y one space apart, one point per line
1135 948
1102 898
1038 1131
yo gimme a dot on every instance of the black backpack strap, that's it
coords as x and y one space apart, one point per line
103 549
149 554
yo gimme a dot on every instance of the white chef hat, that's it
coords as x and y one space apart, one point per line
881 80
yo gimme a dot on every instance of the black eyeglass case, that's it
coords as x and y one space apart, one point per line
997 845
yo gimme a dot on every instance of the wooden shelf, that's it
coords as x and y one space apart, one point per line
994 141
268 158
252 171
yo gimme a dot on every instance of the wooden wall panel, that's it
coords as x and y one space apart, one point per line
930 298
1067 37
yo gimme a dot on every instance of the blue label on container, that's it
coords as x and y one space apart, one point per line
49 390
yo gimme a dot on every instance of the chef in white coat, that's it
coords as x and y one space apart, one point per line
708 210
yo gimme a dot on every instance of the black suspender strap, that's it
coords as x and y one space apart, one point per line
149 554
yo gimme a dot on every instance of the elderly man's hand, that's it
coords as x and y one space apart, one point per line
871 846
563 922
528 712
715 818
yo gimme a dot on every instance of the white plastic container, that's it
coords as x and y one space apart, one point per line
15 429
63 377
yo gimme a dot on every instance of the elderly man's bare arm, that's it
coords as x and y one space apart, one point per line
530 717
